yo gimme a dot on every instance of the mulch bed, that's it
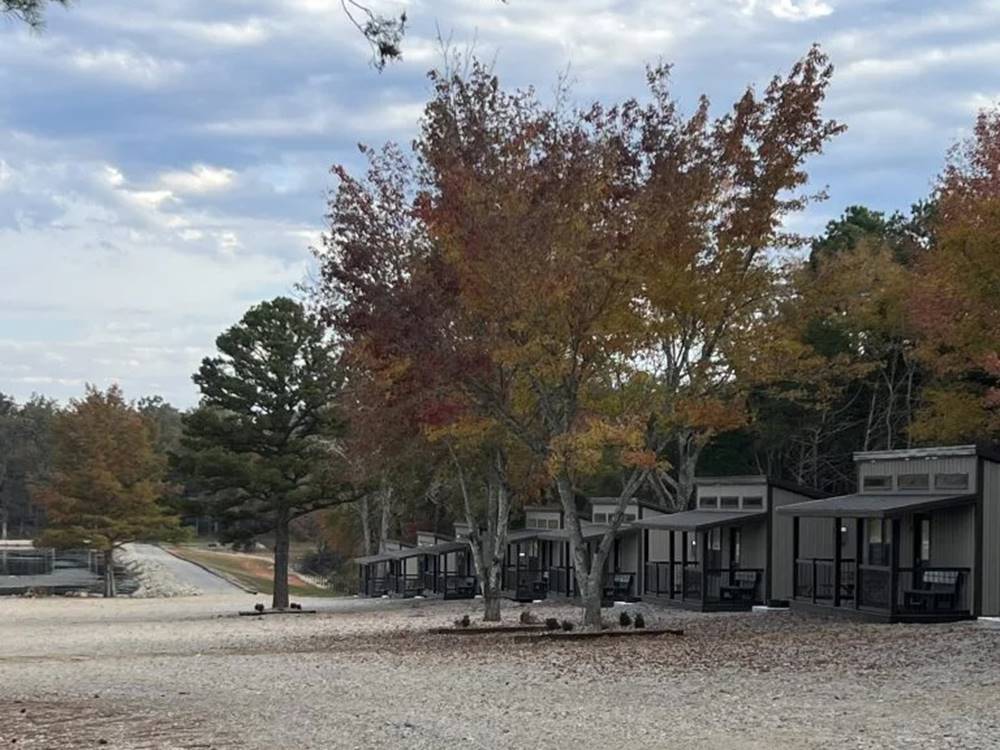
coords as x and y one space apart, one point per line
487 630
584 635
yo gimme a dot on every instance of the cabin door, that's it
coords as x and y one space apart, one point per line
713 551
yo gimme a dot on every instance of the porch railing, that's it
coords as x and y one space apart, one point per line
815 579
688 581
408 584
376 586
562 580
27 562
525 581
926 590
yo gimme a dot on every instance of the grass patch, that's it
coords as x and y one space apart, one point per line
250 570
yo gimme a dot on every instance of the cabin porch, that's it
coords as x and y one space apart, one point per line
706 560
885 558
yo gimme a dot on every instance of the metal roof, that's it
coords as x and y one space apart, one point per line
369 559
431 549
941 451
587 530
873 506
700 520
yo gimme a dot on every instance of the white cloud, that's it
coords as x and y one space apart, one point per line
253 31
125 66
800 10
200 178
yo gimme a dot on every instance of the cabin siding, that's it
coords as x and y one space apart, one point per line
990 540
895 467
659 545
753 542
782 552
952 537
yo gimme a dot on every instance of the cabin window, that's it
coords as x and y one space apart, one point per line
951 481
914 481
877 482
729 502
923 545
755 503
708 502
553 523
600 517
878 535
629 517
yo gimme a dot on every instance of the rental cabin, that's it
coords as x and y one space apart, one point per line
624 570
919 541
729 552
436 566
378 574
540 556
531 561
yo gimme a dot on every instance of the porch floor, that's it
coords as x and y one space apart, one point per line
866 614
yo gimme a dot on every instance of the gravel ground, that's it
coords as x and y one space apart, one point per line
189 673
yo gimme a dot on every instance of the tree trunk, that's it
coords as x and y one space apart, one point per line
385 500
280 598
688 452
592 599
364 510
109 573
488 548
491 596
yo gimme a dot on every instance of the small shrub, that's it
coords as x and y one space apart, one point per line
464 621
551 623
528 618
624 620
640 621
567 625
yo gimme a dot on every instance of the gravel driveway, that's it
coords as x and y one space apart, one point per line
184 572
189 673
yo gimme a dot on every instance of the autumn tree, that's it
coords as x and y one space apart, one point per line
536 254
262 439
956 293
107 480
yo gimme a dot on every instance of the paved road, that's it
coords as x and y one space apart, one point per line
186 572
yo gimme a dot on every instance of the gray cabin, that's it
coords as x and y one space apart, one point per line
437 566
539 559
918 542
729 552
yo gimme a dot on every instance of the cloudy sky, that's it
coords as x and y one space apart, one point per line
164 164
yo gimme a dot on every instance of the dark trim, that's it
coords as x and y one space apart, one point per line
988 451
872 615
920 505
977 560
697 605
769 543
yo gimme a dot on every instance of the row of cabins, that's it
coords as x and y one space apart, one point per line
918 541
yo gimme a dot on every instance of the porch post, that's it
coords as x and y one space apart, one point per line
670 568
859 540
644 563
684 561
836 562
894 562
795 556
704 566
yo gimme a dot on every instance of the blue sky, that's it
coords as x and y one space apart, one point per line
164 164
